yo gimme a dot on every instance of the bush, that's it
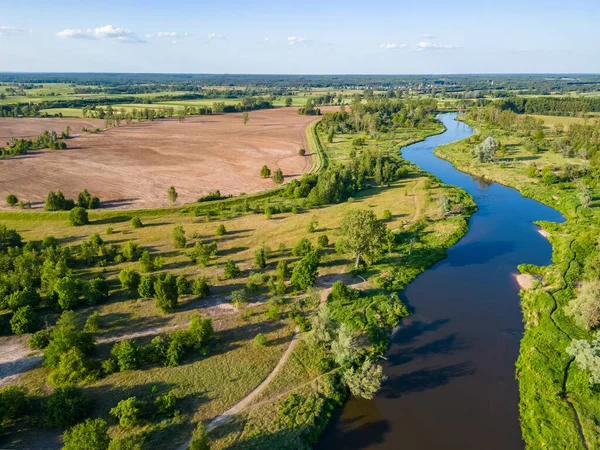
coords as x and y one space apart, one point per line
260 258
149 263
305 271
25 297
273 313
221 230
177 347
39 339
11 200
92 323
146 287
130 250
200 287
127 412
265 172
165 293
231 270
200 332
323 241
129 279
303 247
172 194
165 404
301 152
15 404
68 291
65 407
136 222
200 439
260 340
56 201
278 176
183 285
239 298
24 320
126 354
179 239
87 201
387 214
90 435
78 216
50 242
72 368
96 290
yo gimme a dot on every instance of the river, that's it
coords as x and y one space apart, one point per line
451 382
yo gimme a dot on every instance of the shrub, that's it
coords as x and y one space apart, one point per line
128 412
136 222
56 201
387 214
50 242
72 368
87 201
278 176
239 298
165 404
201 253
231 270
156 351
302 152
200 287
200 332
15 404
90 435
221 230
78 216
9 238
92 323
25 297
179 240
265 172
172 194
24 320
176 350
39 339
585 308
96 290
65 407
68 291
129 250
129 279
260 258
165 293
323 241
273 313
183 285
149 263
302 248
260 340
110 230
126 354
305 271
11 200
146 287
200 439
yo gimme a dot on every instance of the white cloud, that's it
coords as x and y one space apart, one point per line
429 36
294 40
422 46
391 46
212 36
107 32
7 31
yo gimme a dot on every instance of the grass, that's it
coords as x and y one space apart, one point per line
558 406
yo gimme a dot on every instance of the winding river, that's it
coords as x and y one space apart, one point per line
450 368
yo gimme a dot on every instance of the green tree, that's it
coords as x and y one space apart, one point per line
96 290
87 201
239 298
73 367
302 248
365 381
245 117
129 279
260 258
65 407
130 250
15 404
128 412
221 230
304 273
93 323
200 439
587 357
136 222
172 194
344 347
200 287
323 241
165 293
323 327
67 334
179 239
90 435
362 235
24 320
260 340
486 151
183 285
11 200
265 172
288 101
126 354
177 347
585 307
278 176
78 216
25 297
231 270
146 287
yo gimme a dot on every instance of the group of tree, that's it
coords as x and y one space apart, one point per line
48 139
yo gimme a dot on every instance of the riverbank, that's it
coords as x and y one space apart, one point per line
558 407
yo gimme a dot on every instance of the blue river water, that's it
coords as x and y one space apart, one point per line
451 366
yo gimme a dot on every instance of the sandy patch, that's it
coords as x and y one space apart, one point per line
525 281
544 233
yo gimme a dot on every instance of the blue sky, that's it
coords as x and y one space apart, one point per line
259 36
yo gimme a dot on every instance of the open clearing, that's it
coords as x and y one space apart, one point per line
132 166
32 127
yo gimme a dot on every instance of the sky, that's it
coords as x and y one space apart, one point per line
301 37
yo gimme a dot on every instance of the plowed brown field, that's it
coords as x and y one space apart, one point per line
132 166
